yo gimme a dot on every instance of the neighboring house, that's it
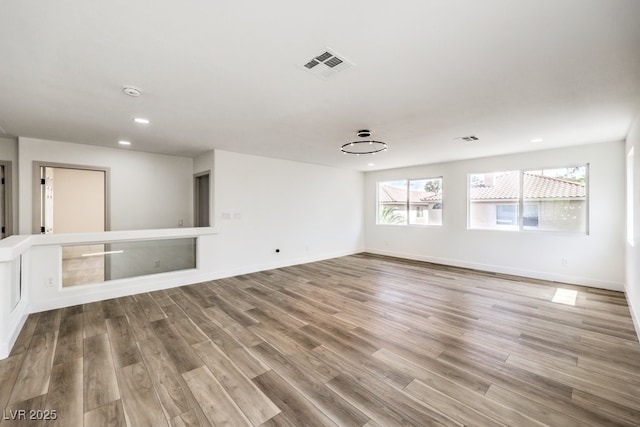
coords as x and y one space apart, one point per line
549 203
424 208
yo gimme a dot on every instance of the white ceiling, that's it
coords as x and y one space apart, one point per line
227 75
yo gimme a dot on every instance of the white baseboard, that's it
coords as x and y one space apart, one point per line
635 315
574 280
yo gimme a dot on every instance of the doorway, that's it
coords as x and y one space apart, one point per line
201 192
74 199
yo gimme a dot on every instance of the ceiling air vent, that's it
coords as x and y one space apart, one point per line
469 138
327 64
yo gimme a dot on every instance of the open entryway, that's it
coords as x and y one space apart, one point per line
74 199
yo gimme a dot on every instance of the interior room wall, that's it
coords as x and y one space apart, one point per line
9 152
632 283
308 212
148 191
596 259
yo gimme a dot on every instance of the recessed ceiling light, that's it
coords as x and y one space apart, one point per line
536 140
124 143
371 164
132 91
141 121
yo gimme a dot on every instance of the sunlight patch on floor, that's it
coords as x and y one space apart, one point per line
565 296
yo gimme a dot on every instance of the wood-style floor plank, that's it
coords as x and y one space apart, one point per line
65 394
34 375
123 345
100 384
9 370
255 404
109 415
140 403
362 340
178 348
217 405
175 396
94 324
332 405
24 338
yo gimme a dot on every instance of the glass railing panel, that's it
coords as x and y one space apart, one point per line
90 264
83 264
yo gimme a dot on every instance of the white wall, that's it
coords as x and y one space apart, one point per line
309 212
596 259
633 252
147 190
9 152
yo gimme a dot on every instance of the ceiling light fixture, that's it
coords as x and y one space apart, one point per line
536 140
124 143
364 147
141 121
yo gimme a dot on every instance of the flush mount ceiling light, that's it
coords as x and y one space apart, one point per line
132 91
363 147
141 121
124 143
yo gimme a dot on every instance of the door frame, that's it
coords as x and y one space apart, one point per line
36 202
8 197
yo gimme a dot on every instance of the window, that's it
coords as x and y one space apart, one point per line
413 202
392 202
494 200
540 199
558 197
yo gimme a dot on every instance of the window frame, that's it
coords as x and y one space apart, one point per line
521 201
407 206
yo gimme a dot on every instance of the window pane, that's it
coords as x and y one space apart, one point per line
559 198
493 200
530 215
425 201
507 214
392 202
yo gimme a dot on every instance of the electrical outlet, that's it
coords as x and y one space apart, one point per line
565 262
50 281
156 263
180 223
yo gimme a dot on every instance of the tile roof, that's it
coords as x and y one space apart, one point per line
535 187
389 194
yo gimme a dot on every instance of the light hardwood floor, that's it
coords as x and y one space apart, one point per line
353 341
